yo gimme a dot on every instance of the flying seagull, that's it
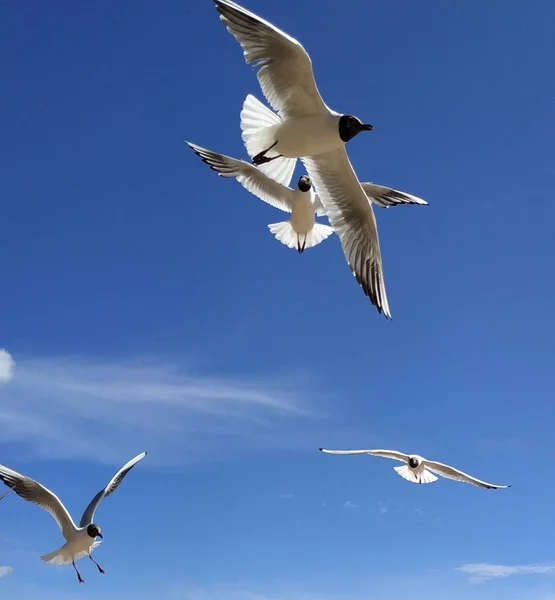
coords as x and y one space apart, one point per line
420 470
305 127
80 541
301 231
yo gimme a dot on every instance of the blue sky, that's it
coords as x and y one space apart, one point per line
147 307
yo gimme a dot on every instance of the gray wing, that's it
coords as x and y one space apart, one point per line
452 473
251 178
34 492
88 515
386 196
385 453
351 216
284 67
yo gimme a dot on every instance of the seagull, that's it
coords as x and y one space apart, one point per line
80 541
420 470
305 127
301 231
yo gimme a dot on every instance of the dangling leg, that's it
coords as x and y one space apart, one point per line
260 159
81 580
101 570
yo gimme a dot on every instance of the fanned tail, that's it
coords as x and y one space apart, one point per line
285 233
258 126
424 476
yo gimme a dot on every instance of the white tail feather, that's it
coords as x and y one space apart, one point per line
318 234
63 556
285 233
258 126
423 477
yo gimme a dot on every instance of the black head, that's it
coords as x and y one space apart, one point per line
304 183
349 126
413 462
94 531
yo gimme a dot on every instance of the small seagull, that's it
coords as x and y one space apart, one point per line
80 541
419 470
305 127
301 231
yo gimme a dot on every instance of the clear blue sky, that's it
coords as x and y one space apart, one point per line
147 307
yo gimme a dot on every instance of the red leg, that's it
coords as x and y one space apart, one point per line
101 570
81 580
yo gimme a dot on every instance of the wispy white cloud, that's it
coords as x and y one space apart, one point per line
4 571
382 508
101 409
349 504
7 366
479 572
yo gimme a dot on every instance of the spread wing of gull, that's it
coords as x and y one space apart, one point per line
384 453
34 492
88 515
352 217
249 176
380 195
452 473
386 196
284 67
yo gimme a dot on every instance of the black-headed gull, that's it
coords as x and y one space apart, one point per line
420 470
306 128
80 540
305 125
301 231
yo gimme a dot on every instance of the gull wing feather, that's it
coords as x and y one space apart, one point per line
384 453
351 216
88 515
452 473
34 492
251 178
385 196
284 67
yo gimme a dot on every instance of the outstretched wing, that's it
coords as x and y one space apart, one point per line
284 67
386 196
351 216
34 492
385 453
452 473
251 178
88 515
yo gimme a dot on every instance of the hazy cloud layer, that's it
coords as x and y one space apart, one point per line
105 409
479 572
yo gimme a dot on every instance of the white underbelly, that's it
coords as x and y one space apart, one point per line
302 216
307 136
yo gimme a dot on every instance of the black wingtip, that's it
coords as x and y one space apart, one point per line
321 449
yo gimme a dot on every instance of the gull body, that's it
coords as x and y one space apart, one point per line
418 469
80 539
305 127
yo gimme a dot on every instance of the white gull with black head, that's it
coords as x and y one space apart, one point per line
80 540
418 469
